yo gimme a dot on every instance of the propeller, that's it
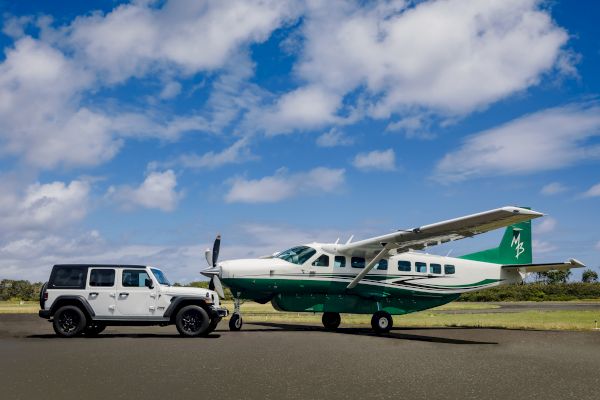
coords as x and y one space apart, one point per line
213 271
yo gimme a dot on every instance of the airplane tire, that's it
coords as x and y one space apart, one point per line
235 322
382 322
331 320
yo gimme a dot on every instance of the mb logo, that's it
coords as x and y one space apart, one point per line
516 241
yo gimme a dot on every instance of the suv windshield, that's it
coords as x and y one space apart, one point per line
297 255
160 277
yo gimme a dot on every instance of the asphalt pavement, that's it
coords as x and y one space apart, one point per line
286 361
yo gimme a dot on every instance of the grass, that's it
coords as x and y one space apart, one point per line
547 320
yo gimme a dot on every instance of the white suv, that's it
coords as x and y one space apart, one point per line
85 298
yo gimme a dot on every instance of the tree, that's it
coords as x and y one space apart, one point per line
552 277
589 276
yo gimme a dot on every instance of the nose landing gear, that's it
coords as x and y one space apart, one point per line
235 322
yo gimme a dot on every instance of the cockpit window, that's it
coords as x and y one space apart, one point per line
297 255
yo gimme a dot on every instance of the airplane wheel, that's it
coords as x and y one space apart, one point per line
331 320
382 322
235 322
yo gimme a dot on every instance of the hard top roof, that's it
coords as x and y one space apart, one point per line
99 265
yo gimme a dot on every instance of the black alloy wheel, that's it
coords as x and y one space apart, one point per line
192 321
69 321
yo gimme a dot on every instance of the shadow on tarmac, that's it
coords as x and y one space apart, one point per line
361 332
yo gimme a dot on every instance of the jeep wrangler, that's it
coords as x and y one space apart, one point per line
86 298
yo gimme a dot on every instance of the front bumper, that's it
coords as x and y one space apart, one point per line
220 312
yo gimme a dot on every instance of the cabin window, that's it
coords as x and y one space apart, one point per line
404 266
340 261
449 269
421 267
435 268
357 262
382 264
102 277
322 261
297 255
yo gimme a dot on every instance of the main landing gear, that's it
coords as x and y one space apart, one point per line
331 320
382 322
235 322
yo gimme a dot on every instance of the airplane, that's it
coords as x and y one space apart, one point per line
384 275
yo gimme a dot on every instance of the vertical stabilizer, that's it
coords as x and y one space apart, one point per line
515 247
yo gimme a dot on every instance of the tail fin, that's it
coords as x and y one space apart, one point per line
515 247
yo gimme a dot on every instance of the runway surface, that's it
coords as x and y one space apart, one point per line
520 306
279 361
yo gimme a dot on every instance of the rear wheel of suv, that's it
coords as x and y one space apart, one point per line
69 321
192 321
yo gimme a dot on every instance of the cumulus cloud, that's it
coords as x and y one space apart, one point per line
542 247
334 138
283 185
451 57
157 191
43 207
553 188
594 191
546 225
383 160
546 140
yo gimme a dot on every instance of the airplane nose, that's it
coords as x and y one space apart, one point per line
212 271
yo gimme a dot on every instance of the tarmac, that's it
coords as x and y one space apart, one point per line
286 361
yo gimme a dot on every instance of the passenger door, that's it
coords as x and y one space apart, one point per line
136 293
102 291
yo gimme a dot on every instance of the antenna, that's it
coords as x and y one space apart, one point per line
449 251
337 241
350 239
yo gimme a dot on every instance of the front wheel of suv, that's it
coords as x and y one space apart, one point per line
192 321
69 321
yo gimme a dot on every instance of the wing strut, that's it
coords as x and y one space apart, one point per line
384 252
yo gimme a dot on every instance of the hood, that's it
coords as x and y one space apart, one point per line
184 290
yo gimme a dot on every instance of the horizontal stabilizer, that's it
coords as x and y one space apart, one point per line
572 263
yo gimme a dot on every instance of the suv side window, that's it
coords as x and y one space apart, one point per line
136 278
102 277
68 277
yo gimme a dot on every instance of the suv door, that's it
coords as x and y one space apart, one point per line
136 293
102 288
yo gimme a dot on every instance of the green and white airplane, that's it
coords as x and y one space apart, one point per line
384 275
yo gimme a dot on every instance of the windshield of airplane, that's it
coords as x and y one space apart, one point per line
160 277
297 255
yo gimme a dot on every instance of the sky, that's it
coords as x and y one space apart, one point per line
134 132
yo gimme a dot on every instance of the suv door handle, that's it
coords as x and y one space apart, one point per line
93 294
124 294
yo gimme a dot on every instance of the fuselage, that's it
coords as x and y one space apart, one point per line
315 277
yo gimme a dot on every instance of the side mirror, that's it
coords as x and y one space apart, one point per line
148 283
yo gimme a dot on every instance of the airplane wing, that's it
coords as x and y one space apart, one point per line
572 263
433 234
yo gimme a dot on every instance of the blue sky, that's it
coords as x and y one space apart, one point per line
135 131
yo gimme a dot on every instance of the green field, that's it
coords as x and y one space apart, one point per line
564 320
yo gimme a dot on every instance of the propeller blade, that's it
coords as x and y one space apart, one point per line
217 286
208 256
211 284
215 250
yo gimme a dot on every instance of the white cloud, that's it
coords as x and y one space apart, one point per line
553 188
594 191
284 185
157 191
452 56
383 160
598 245
546 140
334 138
542 247
42 207
546 225
138 38
236 153
170 90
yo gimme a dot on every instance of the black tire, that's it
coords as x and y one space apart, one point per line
235 322
94 329
69 321
213 325
331 320
192 321
382 322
